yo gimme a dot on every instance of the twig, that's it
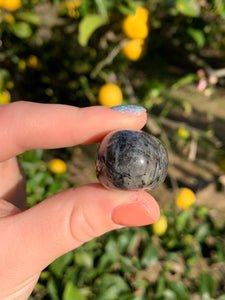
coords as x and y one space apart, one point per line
108 60
194 131
217 73
200 63
129 89
193 150
209 70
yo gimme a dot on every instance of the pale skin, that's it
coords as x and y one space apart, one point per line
31 239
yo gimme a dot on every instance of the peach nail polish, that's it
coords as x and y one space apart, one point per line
134 214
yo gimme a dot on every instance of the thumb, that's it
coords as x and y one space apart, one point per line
68 219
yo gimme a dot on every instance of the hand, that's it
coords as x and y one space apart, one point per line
31 239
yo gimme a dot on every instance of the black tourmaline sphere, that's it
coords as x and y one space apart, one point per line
131 160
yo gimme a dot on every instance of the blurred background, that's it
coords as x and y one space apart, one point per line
168 56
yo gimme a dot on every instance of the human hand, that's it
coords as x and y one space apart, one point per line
31 239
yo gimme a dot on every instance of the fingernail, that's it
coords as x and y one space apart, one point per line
134 214
133 109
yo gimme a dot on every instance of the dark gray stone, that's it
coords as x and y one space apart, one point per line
131 160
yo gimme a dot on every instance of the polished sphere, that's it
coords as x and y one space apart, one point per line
131 160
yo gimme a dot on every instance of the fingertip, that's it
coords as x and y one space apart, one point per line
136 110
141 210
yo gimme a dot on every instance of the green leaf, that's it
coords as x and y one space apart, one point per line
106 261
179 289
221 297
160 286
207 286
150 256
182 219
202 211
101 6
202 232
4 76
83 259
220 252
189 78
126 9
197 35
169 295
60 264
189 8
28 17
112 247
72 293
21 29
52 289
124 240
112 284
134 242
85 7
88 25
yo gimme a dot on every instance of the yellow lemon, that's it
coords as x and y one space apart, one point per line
11 4
9 85
160 227
33 62
188 238
21 65
8 18
110 95
57 166
185 197
134 49
2 3
183 133
142 14
136 26
4 97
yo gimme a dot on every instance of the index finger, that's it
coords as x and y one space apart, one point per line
29 125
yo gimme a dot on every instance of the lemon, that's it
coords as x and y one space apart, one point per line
8 18
33 62
2 3
183 133
135 29
4 97
72 7
160 227
142 14
133 49
22 65
136 26
10 4
57 166
188 238
185 197
110 95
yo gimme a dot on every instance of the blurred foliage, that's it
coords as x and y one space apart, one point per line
72 44
186 260
63 52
